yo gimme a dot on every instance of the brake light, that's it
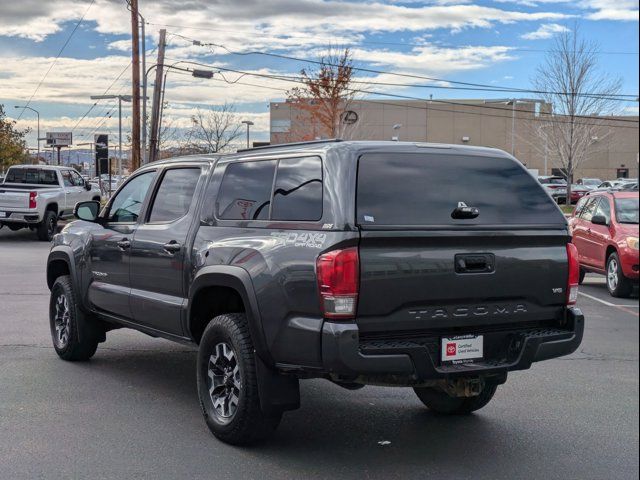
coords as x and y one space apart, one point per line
338 274
32 199
574 274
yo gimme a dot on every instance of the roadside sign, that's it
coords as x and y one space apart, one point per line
59 139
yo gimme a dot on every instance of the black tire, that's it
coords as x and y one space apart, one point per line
47 227
583 273
74 337
617 284
247 423
439 402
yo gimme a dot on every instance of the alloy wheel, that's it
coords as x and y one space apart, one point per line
225 381
612 274
62 321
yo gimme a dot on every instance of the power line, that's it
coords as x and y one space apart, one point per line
620 97
554 118
105 92
56 59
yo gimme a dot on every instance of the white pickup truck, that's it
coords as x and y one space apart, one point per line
36 196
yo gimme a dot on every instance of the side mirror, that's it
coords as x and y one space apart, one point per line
87 186
599 220
87 210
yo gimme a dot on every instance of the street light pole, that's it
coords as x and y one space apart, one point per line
120 98
248 123
38 115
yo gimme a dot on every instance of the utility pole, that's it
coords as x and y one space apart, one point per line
155 107
144 90
135 83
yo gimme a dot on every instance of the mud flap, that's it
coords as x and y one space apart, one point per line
278 393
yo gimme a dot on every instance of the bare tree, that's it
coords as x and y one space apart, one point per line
325 96
571 82
215 130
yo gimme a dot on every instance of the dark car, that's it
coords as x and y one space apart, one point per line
386 263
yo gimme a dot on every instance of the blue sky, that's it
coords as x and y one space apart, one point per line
489 42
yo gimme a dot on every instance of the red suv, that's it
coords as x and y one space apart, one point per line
604 227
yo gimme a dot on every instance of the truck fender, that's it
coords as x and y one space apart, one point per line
63 253
277 392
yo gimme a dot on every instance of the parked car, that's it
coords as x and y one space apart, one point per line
325 260
553 181
589 182
36 196
628 187
559 195
604 229
578 191
611 185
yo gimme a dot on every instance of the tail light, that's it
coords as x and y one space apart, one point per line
32 199
574 274
338 274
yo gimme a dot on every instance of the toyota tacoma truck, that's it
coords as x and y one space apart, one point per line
36 196
436 267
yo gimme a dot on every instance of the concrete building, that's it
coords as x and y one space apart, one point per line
502 124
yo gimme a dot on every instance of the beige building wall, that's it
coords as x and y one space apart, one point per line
477 122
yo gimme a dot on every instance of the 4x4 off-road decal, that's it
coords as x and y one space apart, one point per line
307 239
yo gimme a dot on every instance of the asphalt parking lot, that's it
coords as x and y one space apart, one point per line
132 411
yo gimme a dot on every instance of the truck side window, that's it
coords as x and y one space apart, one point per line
127 204
245 192
67 178
173 198
298 189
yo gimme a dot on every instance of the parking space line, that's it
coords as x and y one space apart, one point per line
609 304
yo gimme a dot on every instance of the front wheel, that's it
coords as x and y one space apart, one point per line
74 337
617 284
440 402
227 383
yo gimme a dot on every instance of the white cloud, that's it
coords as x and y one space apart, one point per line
283 18
545 31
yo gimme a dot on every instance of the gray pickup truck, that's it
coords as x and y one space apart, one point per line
36 196
436 267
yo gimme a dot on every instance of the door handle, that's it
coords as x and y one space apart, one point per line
172 247
124 244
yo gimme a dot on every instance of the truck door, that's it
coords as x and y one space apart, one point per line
159 251
110 250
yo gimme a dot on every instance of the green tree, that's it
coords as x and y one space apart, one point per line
13 147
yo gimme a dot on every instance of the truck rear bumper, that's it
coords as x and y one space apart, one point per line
26 217
416 358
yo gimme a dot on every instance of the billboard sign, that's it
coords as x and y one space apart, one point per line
59 139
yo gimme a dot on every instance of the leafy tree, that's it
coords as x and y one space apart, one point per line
324 97
13 147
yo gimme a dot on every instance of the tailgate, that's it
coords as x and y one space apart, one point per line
18 199
456 240
422 280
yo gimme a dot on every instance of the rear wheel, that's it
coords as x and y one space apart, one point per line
47 227
227 383
440 402
74 337
617 284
